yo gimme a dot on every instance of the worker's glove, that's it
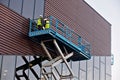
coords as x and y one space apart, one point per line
43 28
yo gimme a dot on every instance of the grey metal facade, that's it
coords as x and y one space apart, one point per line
97 68
23 7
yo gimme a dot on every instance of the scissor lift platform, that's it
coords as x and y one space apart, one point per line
60 44
64 36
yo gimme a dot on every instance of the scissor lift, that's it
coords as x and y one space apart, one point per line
54 62
65 44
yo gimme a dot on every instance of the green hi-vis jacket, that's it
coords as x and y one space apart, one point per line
47 25
39 22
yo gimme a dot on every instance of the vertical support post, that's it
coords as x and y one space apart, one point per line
30 27
56 24
51 18
79 41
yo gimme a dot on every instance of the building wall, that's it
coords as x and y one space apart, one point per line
97 68
14 34
85 21
80 17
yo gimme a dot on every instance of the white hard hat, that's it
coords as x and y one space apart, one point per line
45 19
41 16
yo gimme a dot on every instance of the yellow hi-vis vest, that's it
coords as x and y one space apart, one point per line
47 25
39 22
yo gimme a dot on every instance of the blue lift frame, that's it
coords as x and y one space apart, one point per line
61 32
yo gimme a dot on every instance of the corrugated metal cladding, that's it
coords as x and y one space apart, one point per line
84 20
14 34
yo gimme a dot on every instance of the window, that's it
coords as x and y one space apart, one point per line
5 2
108 65
36 68
75 68
96 61
90 69
16 5
82 75
0 64
36 75
22 70
96 74
102 59
102 71
8 68
28 7
108 77
39 8
83 65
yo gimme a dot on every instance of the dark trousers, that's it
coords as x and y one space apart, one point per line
40 27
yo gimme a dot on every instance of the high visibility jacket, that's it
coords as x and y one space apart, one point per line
47 25
39 22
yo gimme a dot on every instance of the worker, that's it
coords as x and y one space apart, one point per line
47 24
40 23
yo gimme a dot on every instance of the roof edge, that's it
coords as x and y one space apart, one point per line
96 12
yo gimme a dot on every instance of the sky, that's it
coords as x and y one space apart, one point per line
110 10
